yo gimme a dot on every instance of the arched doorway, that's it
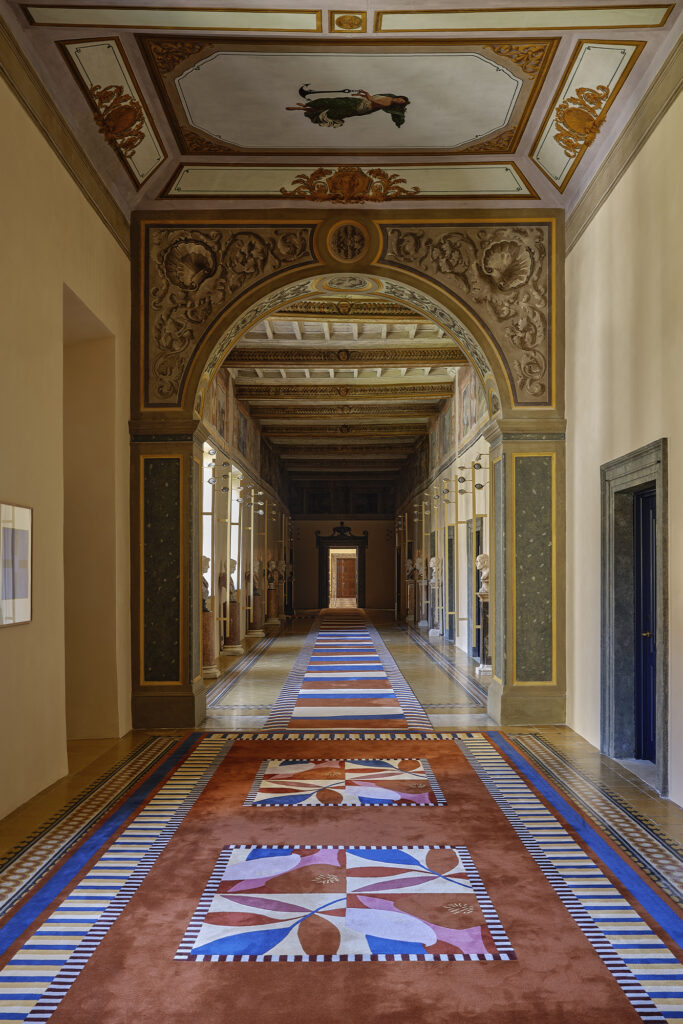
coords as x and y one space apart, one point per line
492 285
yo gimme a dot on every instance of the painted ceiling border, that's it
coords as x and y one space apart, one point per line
24 82
660 95
398 13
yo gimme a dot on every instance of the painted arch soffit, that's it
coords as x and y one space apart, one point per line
501 274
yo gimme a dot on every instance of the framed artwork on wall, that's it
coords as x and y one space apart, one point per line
15 564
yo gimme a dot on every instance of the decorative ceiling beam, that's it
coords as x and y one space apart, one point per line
417 355
389 410
373 391
276 434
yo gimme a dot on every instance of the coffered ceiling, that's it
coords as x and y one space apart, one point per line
344 394
188 107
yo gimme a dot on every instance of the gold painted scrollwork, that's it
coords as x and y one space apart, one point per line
578 119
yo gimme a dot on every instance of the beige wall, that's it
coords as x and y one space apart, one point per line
52 237
379 583
624 389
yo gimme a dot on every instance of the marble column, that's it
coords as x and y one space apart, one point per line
527 583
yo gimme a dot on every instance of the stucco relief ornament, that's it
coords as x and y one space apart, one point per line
349 184
503 273
119 117
193 274
578 119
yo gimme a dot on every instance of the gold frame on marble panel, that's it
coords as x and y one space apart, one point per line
513 547
639 45
492 573
377 27
198 462
182 549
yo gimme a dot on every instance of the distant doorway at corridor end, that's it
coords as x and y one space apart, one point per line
343 578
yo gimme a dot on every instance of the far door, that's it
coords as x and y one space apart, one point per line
346 577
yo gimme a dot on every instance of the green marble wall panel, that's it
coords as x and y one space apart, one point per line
196 549
161 569
533 525
499 569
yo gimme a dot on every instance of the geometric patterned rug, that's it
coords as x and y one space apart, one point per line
345 678
349 782
527 909
267 903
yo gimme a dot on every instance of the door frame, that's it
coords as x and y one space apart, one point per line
620 479
341 537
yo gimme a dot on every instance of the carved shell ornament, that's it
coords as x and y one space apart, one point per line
508 263
188 263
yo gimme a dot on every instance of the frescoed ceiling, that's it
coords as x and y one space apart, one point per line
188 107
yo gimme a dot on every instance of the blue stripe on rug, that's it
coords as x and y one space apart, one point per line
646 895
27 914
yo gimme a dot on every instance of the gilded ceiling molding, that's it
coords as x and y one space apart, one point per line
392 411
349 184
250 392
446 356
363 309
39 105
354 429
662 92
194 274
503 272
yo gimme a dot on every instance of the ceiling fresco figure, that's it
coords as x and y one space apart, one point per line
330 111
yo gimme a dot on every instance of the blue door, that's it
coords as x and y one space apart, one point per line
645 533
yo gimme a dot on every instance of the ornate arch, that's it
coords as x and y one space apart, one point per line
491 279
490 282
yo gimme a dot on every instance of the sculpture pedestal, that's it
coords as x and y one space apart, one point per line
256 627
273 607
234 644
484 666
210 668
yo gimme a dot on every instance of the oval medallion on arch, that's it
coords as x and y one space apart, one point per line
348 241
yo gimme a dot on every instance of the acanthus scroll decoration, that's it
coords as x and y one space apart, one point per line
502 272
193 275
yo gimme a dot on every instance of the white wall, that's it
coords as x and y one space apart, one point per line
51 237
624 292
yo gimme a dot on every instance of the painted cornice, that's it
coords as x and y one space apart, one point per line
17 71
662 92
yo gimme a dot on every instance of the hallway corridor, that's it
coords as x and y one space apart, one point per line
250 870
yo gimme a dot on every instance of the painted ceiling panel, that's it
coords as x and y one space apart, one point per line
451 98
446 181
255 107
594 77
524 18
